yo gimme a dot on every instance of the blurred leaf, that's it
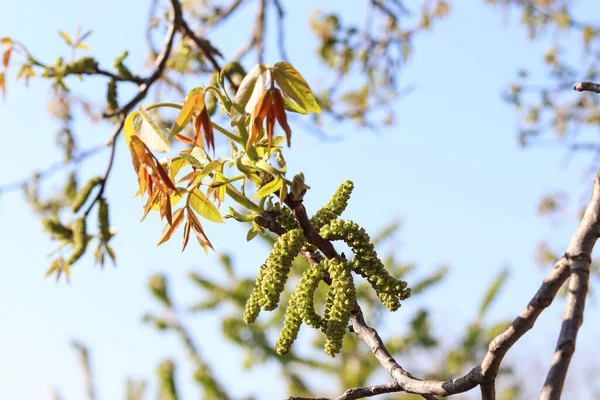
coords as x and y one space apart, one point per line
493 291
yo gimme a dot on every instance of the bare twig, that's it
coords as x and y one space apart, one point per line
580 250
259 31
587 86
358 393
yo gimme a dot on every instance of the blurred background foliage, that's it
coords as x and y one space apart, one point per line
361 64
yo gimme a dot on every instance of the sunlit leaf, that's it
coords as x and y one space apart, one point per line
149 131
197 157
294 86
128 128
269 188
2 84
171 228
203 206
66 37
187 111
249 91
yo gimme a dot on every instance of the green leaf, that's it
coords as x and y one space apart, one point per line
248 94
203 206
66 37
210 167
269 188
294 86
293 107
493 291
149 132
197 157
176 164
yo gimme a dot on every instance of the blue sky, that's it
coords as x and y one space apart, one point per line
451 170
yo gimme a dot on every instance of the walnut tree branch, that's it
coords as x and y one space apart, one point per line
587 86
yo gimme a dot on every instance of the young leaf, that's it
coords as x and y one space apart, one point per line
172 227
149 131
269 188
128 128
294 86
251 88
2 84
66 37
204 207
187 111
197 157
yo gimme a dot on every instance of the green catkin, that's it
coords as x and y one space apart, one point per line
80 240
84 64
284 216
111 95
166 381
334 207
366 262
211 100
58 230
253 304
278 266
342 297
103 221
122 70
84 193
306 292
291 326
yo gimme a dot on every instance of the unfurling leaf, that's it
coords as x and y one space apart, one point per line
251 89
66 37
295 87
149 131
269 188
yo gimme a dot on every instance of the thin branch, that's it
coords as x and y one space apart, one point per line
281 30
358 393
100 71
259 31
587 86
488 390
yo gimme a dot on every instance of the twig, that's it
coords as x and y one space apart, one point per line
573 316
587 86
358 393
281 30
259 31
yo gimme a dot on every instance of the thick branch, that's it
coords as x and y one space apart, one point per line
581 249
587 86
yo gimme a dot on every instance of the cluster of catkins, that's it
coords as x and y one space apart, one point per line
341 297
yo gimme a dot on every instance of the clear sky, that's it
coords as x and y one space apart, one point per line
451 170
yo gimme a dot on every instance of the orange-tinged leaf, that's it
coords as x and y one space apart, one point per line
198 142
174 197
6 41
165 208
171 227
184 139
147 161
2 84
279 111
203 206
6 56
199 232
186 234
209 135
151 200
270 128
294 86
186 113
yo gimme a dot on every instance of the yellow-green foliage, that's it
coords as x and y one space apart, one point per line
334 207
56 229
283 215
366 262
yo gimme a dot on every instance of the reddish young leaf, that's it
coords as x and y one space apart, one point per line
186 234
184 139
279 110
198 231
171 227
208 129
